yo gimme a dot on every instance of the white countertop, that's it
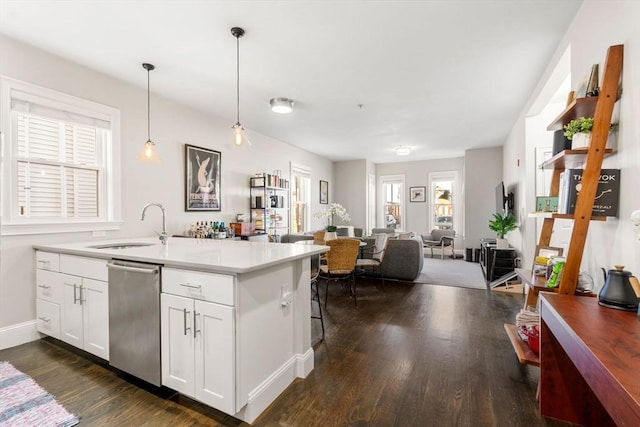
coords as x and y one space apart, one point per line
224 256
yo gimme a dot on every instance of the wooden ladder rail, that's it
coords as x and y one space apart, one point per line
584 204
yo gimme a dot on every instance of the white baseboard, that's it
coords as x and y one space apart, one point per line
304 363
263 395
21 333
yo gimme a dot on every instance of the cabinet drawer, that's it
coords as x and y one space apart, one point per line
47 261
93 268
48 318
48 286
194 284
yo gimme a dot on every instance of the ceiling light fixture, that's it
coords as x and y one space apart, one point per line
403 151
238 136
281 105
148 153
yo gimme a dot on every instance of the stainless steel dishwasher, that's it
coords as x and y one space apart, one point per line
134 319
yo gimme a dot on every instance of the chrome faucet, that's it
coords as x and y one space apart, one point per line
162 236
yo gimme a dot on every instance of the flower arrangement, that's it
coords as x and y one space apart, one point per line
334 209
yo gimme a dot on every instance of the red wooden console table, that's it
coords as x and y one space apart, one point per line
589 362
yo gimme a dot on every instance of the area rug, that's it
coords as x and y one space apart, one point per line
451 272
24 403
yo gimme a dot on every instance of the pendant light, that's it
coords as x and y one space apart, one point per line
238 131
148 153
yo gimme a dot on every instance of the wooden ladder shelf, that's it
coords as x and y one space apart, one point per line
601 108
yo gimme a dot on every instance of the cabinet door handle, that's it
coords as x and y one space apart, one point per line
195 329
81 299
75 297
185 312
45 319
189 285
45 286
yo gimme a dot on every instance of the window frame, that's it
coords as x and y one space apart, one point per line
305 172
434 178
392 179
109 189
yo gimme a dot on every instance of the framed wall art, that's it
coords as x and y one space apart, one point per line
202 178
324 192
417 194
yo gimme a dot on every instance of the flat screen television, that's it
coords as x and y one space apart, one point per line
501 198
504 201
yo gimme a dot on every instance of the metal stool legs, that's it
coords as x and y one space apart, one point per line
315 296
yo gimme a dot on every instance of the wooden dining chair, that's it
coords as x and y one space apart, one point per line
341 264
318 237
372 257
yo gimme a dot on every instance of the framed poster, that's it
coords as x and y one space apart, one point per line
417 194
324 192
202 178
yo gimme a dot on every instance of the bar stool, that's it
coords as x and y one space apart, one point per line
315 295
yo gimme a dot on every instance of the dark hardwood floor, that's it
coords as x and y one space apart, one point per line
416 355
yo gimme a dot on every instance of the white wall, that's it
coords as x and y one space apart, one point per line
172 126
417 175
350 190
483 172
598 25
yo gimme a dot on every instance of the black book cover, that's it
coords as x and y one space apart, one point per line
607 195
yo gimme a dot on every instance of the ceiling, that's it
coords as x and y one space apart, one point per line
366 76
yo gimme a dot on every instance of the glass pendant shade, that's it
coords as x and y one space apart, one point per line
238 134
148 153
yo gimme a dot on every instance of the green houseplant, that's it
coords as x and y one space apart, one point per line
578 131
581 125
502 224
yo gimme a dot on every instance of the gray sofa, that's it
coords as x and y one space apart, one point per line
403 258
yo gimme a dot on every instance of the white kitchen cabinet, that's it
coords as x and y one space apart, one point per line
198 343
70 307
49 297
85 314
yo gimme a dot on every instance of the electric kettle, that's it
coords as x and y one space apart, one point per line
621 290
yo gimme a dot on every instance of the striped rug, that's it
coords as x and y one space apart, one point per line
24 403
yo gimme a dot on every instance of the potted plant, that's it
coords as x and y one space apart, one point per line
334 209
502 224
578 131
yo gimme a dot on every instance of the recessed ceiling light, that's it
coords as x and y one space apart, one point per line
281 105
403 151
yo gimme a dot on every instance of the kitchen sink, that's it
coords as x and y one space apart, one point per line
120 245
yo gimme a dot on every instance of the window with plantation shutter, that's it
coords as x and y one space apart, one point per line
61 169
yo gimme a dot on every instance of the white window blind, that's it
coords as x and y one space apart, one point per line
61 161
57 167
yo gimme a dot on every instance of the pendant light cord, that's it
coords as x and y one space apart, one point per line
148 109
238 79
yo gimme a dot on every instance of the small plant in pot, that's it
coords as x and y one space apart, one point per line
578 131
502 224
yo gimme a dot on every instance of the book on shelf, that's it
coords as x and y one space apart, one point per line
268 180
607 196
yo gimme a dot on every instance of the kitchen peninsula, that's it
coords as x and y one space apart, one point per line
233 317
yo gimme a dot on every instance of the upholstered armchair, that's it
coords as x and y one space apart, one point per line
439 239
